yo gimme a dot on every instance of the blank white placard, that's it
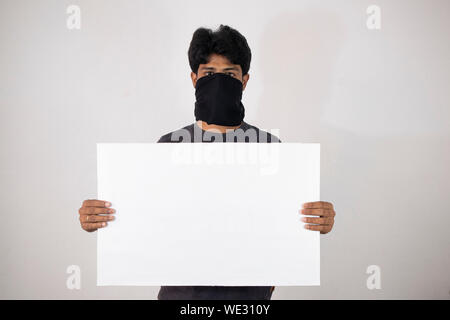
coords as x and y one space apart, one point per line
208 214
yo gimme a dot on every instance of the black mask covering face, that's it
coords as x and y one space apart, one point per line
219 100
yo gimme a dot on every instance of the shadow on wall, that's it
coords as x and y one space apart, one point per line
297 54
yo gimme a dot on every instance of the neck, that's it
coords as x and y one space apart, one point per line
215 127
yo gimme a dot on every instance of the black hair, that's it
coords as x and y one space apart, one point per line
225 41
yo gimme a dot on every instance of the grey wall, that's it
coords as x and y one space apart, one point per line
377 101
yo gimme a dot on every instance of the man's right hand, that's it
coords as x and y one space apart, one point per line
95 214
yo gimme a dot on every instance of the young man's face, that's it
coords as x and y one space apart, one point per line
218 63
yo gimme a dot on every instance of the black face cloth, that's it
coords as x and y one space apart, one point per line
219 100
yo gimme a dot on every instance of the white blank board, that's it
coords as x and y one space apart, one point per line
223 214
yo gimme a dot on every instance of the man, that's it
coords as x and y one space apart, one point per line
220 62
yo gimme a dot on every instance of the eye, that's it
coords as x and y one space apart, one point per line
231 74
208 73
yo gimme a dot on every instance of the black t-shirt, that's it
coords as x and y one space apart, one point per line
193 133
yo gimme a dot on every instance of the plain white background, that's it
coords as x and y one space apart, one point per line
376 100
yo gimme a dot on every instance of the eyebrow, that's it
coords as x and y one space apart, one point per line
226 69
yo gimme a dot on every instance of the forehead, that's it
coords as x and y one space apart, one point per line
219 62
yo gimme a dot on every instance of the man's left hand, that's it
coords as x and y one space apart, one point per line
325 216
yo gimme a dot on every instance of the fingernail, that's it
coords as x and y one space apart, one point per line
303 219
306 226
103 224
107 204
111 211
112 218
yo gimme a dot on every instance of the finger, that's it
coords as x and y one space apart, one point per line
95 210
323 221
96 203
318 212
94 226
314 227
95 218
318 204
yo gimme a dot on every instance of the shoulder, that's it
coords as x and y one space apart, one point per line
263 136
179 135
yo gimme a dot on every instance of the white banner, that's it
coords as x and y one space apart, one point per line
208 214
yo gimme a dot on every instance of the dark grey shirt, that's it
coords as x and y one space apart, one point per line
193 133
